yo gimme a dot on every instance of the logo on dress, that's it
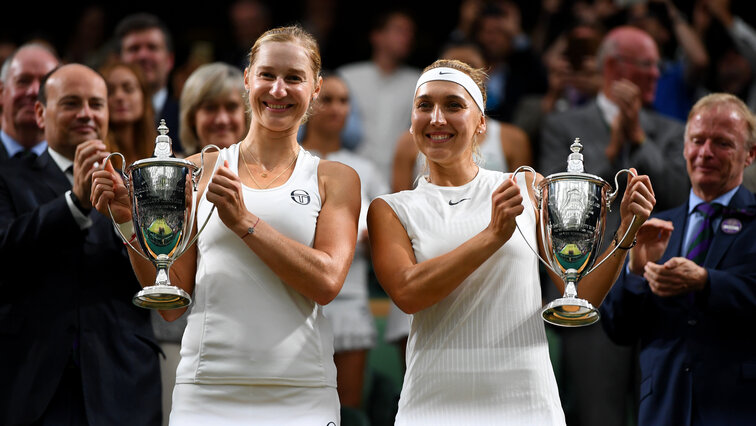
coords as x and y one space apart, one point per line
455 203
300 196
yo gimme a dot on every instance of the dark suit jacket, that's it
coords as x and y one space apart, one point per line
3 153
60 284
698 360
660 157
170 112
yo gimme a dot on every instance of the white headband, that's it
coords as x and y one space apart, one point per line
455 76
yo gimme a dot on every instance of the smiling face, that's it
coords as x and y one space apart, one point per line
281 85
76 108
220 121
125 97
19 91
445 121
715 150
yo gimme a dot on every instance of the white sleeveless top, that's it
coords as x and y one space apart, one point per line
480 355
246 326
492 156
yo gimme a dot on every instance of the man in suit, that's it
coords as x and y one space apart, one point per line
75 350
19 84
617 132
146 42
689 299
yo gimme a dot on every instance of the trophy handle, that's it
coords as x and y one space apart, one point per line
196 175
609 198
537 193
127 183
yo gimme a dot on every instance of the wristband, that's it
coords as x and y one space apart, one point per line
127 228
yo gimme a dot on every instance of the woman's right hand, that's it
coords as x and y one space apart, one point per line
506 205
108 189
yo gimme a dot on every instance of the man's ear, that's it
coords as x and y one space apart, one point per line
39 112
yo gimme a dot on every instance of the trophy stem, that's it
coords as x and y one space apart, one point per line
162 295
570 310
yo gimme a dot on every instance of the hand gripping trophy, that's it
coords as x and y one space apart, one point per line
163 194
573 207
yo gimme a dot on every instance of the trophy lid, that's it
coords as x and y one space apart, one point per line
575 159
163 143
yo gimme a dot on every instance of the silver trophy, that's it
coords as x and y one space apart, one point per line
163 193
573 207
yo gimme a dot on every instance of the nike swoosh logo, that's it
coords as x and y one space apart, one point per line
454 204
444 73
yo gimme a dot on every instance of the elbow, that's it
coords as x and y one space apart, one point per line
408 304
172 315
328 291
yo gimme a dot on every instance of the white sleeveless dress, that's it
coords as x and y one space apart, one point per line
480 355
255 351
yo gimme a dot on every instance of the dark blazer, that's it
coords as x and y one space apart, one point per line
170 113
698 360
3 153
60 284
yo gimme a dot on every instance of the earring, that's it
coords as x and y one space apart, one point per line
412 131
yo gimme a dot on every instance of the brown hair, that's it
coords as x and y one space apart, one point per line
144 129
292 34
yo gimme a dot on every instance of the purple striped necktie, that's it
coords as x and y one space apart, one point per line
701 238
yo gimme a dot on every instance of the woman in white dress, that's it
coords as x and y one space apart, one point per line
447 252
257 348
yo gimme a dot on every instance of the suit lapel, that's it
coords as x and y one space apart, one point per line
722 241
679 220
54 178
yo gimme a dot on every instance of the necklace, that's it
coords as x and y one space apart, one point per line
265 174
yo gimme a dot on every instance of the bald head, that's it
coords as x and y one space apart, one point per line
73 108
629 53
21 75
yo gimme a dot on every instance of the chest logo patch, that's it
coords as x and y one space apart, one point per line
300 196
454 203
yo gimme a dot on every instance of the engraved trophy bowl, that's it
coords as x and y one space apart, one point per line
163 194
573 207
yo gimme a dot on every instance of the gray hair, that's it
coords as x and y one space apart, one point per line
208 82
5 69
714 100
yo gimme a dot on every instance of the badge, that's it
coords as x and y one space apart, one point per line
731 226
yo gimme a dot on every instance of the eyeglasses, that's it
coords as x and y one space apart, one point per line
642 64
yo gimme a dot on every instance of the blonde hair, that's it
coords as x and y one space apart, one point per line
479 76
206 83
714 100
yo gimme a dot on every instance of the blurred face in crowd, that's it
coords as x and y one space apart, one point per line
396 37
445 120
332 107
76 109
221 121
495 37
148 49
636 59
281 85
716 151
125 97
20 89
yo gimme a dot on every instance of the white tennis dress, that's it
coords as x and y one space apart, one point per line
480 355
255 351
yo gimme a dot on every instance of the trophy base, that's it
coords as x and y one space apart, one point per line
162 297
570 312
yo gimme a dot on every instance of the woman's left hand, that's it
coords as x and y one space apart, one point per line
638 202
225 191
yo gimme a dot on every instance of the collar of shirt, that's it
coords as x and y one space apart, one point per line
62 162
724 199
13 147
158 100
609 109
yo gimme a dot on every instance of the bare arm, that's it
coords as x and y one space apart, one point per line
516 147
316 272
415 286
402 175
